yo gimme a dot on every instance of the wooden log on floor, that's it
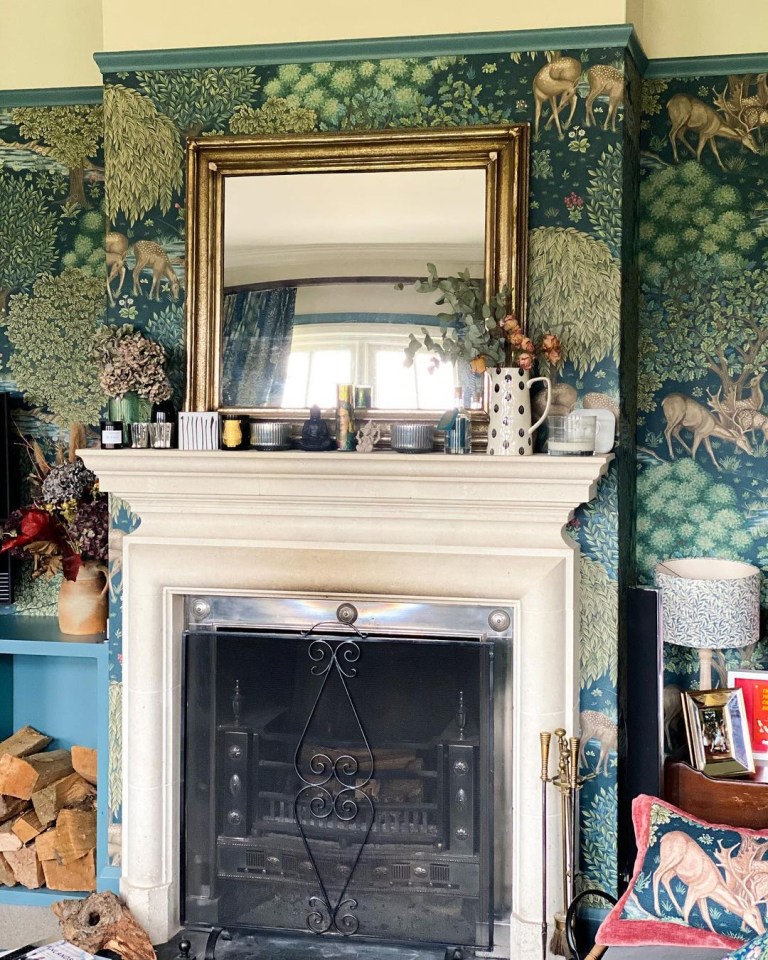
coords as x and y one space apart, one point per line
21 777
75 834
27 826
45 844
66 792
76 875
11 807
26 867
85 762
24 742
8 839
6 874
114 927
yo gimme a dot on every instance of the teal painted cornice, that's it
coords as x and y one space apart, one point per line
708 66
561 38
637 53
50 97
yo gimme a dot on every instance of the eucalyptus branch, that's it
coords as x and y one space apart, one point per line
471 331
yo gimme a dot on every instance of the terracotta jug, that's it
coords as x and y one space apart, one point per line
83 602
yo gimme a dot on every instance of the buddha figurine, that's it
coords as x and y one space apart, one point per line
314 433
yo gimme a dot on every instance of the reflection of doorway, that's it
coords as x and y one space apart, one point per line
324 354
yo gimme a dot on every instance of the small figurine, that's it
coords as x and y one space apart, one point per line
314 433
368 436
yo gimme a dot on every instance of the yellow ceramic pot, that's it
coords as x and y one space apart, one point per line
83 604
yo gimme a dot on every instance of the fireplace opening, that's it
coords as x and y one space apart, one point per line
339 778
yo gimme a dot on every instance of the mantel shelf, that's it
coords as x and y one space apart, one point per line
535 489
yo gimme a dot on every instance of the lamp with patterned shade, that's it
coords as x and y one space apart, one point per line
709 604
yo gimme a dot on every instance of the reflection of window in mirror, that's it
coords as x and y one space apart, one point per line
289 345
325 354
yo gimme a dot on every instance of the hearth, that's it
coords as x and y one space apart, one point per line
338 775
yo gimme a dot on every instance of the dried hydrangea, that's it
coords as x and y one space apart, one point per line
131 361
68 481
88 532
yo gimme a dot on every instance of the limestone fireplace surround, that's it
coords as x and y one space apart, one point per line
333 524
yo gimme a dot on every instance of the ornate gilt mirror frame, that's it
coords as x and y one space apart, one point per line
501 152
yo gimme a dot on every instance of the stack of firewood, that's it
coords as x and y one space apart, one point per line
47 814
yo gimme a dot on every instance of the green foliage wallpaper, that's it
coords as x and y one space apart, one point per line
702 431
702 424
577 223
51 277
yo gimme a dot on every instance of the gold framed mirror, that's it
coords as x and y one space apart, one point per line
293 230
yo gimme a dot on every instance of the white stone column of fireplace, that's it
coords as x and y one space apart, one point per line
377 525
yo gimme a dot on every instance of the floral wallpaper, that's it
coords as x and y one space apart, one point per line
702 433
580 229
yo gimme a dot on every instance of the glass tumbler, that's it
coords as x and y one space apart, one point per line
160 435
571 436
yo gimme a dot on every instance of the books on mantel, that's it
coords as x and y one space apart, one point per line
57 950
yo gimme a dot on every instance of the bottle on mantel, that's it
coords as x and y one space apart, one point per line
165 412
457 436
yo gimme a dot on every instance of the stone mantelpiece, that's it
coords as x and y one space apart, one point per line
380 524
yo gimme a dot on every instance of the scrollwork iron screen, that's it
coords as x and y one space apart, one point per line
339 783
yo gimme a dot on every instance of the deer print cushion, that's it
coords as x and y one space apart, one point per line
694 883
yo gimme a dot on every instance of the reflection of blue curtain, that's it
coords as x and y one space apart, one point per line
257 330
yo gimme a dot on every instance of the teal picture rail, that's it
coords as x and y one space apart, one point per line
60 685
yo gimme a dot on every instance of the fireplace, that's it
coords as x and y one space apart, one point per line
328 529
339 767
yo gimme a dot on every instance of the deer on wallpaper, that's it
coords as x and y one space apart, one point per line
728 121
556 84
684 413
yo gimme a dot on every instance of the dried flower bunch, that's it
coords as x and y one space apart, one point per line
522 351
67 524
480 333
131 361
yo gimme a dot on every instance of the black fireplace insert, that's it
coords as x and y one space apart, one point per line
338 778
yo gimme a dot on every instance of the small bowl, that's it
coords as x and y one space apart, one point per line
412 437
270 435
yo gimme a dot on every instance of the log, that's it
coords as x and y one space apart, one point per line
103 922
45 844
6 874
27 826
10 807
8 839
24 742
21 777
63 793
75 834
84 760
26 867
74 876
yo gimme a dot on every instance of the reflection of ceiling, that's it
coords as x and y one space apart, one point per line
353 224
335 298
349 260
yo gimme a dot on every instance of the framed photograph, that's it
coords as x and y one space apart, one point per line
754 686
718 732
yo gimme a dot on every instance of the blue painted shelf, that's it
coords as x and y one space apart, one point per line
58 684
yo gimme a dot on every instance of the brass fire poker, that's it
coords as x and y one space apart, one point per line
568 782
544 739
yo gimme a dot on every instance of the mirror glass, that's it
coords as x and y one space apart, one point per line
310 262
